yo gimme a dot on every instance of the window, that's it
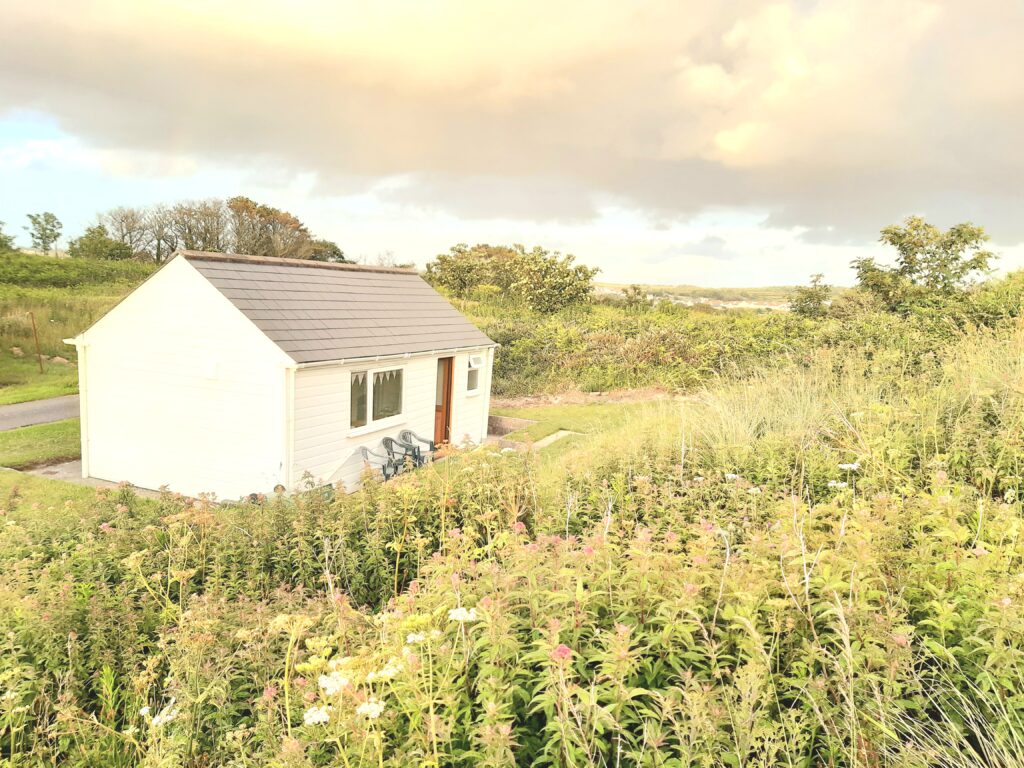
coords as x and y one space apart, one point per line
387 393
476 362
358 403
375 396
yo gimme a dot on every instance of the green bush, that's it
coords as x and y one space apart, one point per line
30 270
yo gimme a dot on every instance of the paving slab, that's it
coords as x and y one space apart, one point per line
71 472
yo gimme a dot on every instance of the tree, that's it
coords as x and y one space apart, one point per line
460 270
163 240
6 241
549 282
96 243
262 230
812 300
326 250
200 225
544 281
44 230
131 227
932 266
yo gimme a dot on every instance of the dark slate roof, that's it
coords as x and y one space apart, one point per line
317 312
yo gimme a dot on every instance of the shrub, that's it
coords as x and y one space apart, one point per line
30 270
543 282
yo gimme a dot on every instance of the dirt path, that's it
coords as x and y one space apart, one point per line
583 398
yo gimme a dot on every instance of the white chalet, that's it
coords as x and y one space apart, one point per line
235 374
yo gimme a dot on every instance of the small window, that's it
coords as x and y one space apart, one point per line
387 393
358 404
476 362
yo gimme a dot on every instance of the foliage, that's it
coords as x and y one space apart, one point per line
326 250
238 225
26 270
812 300
931 266
635 298
96 243
261 230
44 229
816 566
542 281
6 240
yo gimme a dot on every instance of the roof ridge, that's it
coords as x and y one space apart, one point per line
241 258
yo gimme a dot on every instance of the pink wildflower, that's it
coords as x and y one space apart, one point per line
561 652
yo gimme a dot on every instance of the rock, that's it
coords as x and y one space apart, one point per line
59 360
16 351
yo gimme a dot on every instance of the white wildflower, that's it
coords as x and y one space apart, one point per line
731 476
333 683
415 638
462 615
339 662
698 479
145 711
166 715
371 709
754 491
316 715
388 671
837 484
851 467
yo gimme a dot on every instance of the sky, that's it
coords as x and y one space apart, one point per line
676 141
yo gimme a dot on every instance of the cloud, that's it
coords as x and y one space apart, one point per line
708 247
834 117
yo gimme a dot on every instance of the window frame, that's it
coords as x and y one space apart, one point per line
378 424
478 366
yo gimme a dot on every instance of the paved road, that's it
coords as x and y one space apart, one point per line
38 412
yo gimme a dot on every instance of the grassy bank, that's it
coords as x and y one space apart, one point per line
64 296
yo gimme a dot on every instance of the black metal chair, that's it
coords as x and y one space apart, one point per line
410 438
400 453
386 464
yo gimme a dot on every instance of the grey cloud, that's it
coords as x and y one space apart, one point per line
879 111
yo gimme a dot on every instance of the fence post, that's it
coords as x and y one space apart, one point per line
35 335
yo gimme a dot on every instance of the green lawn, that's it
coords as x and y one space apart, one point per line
586 418
21 381
40 444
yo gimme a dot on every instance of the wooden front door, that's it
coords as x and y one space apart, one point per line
443 403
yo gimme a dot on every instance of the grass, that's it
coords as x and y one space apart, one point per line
43 492
21 381
585 418
59 313
40 444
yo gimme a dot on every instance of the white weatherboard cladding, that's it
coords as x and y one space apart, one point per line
180 389
325 447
